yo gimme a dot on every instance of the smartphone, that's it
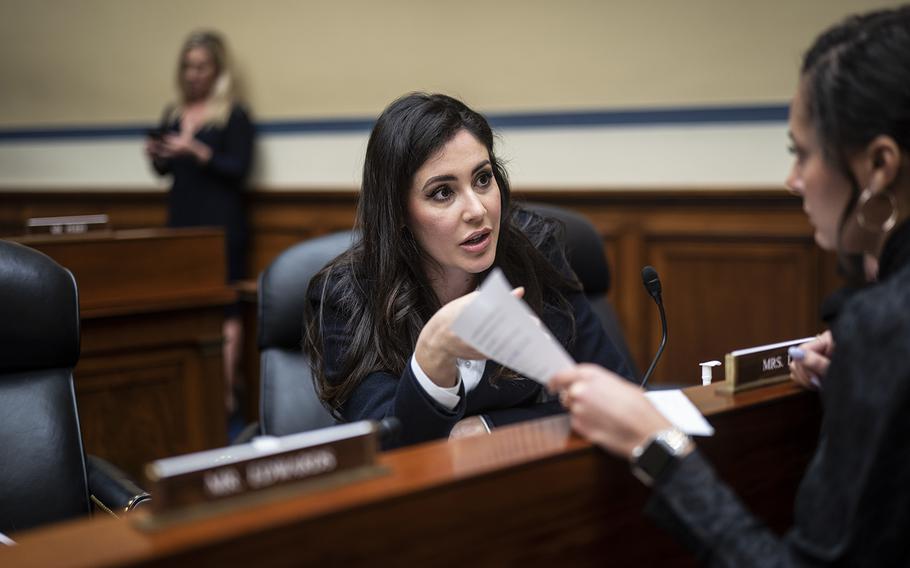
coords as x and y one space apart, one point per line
156 134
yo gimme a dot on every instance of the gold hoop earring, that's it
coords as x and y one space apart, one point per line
867 196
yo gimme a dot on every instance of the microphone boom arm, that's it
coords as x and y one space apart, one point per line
651 281
663 341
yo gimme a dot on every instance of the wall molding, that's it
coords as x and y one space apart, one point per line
657 116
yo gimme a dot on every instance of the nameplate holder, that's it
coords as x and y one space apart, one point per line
212 482
68 225
758 366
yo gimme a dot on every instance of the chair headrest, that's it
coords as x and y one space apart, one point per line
584 247
39 311
283 286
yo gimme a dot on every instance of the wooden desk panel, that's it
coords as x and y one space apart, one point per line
141 269
531 494
149 382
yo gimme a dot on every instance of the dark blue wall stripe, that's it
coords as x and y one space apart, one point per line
317 126
74 132
606 118
643 117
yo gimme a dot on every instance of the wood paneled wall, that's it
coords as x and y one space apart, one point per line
739 268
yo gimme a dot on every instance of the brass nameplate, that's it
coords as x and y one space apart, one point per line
757 366
265 463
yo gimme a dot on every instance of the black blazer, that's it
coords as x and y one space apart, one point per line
384 393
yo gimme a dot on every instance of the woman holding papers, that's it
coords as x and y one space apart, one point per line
435 218
850 130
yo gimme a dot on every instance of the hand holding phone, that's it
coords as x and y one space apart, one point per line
154 143
156 134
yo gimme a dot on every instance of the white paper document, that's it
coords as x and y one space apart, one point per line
504 328
678 409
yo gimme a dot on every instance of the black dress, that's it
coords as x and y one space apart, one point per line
212 194
853 505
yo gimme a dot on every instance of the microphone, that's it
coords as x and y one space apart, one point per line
652 284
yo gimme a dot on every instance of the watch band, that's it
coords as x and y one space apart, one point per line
656 454
486 425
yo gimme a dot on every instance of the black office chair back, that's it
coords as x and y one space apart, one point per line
585 253
42 464
288 399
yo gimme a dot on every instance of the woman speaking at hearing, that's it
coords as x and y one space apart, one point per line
434 218
850 128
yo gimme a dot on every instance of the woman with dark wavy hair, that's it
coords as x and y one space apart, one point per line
434 218
850 129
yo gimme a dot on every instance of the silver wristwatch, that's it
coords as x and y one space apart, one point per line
656 454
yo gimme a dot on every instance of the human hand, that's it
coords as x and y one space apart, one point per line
173 145
468 428
438 347
810 361
153 148
606 409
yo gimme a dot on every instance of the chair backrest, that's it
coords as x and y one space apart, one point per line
585 253
288 399
42 464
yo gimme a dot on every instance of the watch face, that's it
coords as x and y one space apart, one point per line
653 460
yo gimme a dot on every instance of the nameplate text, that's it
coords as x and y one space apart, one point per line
262 464
757 366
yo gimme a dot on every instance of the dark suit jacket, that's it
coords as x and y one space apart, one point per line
382 394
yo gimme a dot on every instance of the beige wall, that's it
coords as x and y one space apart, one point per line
111 61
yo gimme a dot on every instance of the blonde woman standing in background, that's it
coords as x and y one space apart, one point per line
205 142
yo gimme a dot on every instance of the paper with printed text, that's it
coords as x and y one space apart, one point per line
504 328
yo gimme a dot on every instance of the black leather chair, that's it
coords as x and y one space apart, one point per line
44 476
288 400
585 252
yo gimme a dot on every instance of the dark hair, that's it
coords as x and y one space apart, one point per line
380 283
856 81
